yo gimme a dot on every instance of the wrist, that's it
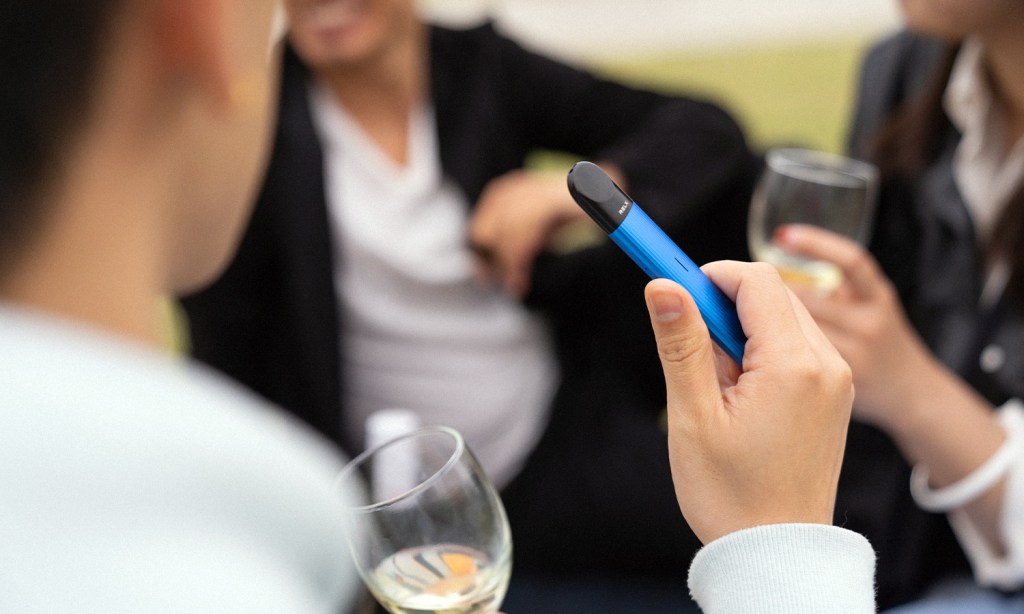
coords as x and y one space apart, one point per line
925 386
971 486
942 412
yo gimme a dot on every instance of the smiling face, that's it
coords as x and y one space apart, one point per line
329 33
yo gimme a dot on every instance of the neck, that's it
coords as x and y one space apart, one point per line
380 92
77 268
396 76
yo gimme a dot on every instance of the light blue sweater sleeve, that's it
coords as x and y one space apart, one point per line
790 568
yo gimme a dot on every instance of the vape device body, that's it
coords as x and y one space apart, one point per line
633 231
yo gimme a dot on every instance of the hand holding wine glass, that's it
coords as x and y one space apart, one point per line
801 186
433 536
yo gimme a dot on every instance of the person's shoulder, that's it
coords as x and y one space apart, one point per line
901 42
484 41
480 33
129 438
906 56
69 379
893 70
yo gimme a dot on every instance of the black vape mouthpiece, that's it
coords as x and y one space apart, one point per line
598 195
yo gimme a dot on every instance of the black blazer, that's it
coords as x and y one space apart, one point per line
925 241
596 493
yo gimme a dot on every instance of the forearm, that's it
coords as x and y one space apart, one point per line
950 431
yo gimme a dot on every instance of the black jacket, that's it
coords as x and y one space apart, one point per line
596 493
925 241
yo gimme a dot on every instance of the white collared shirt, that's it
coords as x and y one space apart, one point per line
987 169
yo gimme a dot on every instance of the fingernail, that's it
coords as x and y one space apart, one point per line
665 306
785 234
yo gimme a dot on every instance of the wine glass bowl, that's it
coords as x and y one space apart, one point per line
433 535
801 186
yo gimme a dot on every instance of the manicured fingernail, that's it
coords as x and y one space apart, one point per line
785 234
665 306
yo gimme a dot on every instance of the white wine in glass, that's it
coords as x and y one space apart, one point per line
433 537
800 186
441 578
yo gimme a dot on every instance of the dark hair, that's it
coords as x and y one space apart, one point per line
49 55
912 138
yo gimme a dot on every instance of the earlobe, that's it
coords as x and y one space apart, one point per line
193 44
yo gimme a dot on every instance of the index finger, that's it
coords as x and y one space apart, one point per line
857 265
762 300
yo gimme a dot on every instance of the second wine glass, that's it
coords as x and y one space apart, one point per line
801 186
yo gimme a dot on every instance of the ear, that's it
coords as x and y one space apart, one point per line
192 38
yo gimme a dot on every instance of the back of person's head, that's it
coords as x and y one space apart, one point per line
49 54
146 118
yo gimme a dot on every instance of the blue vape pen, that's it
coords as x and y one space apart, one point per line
633 231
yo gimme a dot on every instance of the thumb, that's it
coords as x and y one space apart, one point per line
684 346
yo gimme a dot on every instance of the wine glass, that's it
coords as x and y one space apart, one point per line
433 536
801 186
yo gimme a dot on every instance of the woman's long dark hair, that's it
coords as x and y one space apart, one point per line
913 137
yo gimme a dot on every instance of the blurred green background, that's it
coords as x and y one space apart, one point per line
792 94
796 94
786 69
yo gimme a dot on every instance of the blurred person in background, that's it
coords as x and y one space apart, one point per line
399 257
933 323
131 136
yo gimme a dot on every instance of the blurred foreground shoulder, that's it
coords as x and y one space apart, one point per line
137 483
